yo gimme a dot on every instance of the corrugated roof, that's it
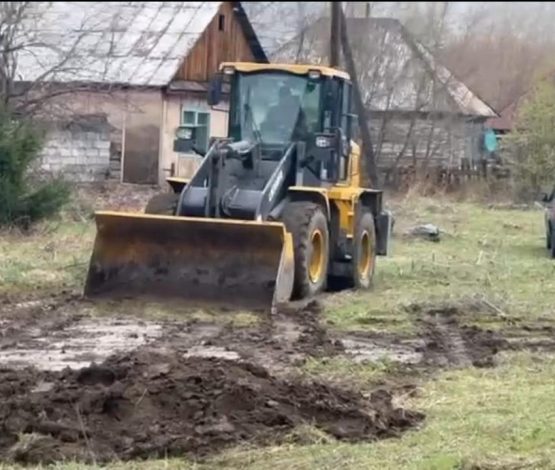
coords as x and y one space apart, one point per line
396 72
131 43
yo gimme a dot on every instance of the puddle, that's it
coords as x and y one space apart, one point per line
212 351
367 350
79 345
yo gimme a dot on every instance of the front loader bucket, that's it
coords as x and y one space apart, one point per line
207 262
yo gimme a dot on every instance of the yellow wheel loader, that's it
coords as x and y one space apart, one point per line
274 212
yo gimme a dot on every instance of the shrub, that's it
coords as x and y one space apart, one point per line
531 145
24 196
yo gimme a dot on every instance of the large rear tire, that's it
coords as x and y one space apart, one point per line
309 226
162 204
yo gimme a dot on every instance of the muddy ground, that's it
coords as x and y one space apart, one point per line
151 405
95 388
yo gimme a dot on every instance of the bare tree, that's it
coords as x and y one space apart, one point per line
49 50
277 23
415 105
499 51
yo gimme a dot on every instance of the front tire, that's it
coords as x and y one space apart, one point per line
309 226
552 247
364 251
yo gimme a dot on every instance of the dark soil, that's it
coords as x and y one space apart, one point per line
146 405
448 343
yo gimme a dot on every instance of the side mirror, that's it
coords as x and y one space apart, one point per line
215 90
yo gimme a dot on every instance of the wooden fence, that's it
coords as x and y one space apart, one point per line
442 177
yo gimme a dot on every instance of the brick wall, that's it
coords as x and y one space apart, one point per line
80 151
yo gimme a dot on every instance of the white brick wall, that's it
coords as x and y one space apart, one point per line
80 156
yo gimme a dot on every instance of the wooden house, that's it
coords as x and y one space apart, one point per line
145 66
420 113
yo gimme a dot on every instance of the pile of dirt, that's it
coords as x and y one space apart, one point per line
146 405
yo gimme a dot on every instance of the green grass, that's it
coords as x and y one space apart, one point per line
53 257
499 255
341 370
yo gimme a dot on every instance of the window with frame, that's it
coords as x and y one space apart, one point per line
200 121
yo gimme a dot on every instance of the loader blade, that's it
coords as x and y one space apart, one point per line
208 262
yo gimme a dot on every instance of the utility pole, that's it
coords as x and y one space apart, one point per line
334 34
368 161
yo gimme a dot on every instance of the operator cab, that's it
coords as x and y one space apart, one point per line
276 106
289 126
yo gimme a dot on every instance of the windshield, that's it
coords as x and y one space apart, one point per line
275 108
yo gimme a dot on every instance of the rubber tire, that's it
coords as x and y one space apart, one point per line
162 204
301 219
548 236
365 222
552 249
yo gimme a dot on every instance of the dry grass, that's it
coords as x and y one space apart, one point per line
53 257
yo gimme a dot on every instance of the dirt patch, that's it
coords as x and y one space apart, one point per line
58 332
313 338
363 348
448 343
145 405
278 343
54 335
538 337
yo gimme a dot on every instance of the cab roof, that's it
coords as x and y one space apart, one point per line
299 69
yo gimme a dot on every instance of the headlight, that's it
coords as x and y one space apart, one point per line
314 74
323 142
229 70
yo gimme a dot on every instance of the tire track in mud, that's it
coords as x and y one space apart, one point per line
453 345
446 337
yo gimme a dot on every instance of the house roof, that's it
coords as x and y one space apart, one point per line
128 43
396 72
505 121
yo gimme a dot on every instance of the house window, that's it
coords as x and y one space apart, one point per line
200 121
221 22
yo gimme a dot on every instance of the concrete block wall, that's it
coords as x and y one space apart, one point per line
78 154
